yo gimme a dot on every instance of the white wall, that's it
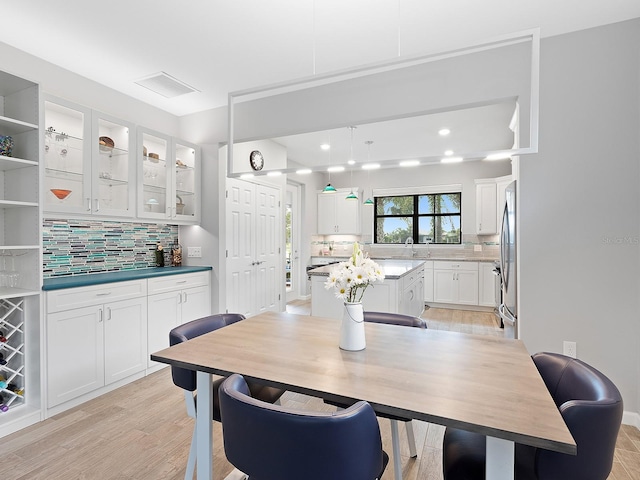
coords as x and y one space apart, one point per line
579 205
464 173
57 81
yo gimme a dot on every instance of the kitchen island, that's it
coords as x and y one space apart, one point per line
402 290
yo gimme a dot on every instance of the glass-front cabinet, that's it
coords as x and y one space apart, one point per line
168 177
88 165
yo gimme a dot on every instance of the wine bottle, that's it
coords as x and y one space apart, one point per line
3 339
2 360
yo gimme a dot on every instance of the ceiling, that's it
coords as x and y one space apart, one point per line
220 46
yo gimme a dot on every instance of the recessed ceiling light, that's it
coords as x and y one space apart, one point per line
451 159
275 173
325 146
448 153
304 171
498 156
337 168
247 175
410 163
370 166
444 132
351 162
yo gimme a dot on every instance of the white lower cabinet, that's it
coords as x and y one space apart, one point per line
173 301
428 281
487 285
94 346
100 337
455 282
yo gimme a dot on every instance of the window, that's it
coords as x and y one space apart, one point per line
428 218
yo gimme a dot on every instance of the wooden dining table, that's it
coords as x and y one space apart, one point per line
478 383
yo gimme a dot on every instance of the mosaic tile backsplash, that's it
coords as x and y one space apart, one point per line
73 247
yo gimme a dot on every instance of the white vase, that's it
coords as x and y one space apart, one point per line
352 328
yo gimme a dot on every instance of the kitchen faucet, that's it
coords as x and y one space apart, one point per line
408 241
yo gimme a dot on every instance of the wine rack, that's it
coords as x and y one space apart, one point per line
11 353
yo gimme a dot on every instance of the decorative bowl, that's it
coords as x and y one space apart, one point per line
106 144
6 145
61 193
154 157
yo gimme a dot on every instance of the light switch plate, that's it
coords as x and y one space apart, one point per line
194 252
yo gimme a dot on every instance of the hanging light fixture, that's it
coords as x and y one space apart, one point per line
369 200
352 195
329 188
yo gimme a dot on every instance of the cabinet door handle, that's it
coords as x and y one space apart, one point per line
100 316
181 281
184 297
88 204
108 313
97 204
179 298
103 294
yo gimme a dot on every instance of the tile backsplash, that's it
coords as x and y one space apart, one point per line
74 247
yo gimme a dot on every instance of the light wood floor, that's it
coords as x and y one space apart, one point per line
142 431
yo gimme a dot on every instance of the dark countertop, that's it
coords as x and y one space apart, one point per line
72 281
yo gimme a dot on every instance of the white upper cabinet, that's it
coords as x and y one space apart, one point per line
168 178
337 215
486 218
89 168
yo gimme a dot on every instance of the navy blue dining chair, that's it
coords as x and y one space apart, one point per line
590 405
272 442
186 379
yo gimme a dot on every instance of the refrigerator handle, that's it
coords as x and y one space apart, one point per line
505 315
503 243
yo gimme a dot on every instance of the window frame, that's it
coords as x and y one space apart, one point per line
415 216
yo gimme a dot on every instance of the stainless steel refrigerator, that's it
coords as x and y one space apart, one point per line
508 266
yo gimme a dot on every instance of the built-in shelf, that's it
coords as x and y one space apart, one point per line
11 126
13 163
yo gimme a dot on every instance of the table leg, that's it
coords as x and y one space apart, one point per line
204 426
500 459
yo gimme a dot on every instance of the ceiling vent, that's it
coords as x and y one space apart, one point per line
165 85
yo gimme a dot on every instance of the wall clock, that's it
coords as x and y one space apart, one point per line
256 160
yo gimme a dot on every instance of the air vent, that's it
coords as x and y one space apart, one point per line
165 85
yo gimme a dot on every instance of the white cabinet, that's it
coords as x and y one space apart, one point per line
428 281
172 301
486 201
396 295
96 336
487 285
337 215
20 252
412 293
455 282
89 166
168 178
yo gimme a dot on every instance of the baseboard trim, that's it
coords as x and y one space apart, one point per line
631 418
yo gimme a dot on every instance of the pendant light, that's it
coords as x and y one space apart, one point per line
329 188
352 195
369 200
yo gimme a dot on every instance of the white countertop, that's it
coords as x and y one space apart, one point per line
392 268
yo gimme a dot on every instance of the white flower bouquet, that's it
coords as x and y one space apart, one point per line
350 279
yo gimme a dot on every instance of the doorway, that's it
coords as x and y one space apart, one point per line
292 241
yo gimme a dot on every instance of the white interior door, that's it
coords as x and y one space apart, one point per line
253 248
240 261
267 248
